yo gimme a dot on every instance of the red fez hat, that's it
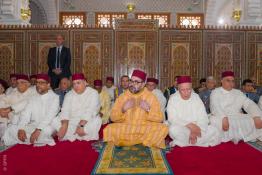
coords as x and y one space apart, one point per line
110 79
78 76
154 80
227 74
32 76
4 84
12 76
98 83
184 79
22 77
43 77
140 74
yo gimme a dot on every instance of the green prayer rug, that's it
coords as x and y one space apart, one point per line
136 159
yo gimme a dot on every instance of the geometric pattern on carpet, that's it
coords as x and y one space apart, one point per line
257 144
136 159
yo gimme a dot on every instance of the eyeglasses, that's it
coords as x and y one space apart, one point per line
135 82
41 82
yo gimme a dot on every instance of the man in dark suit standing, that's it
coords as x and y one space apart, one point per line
59 61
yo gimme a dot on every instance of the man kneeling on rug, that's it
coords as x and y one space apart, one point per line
34 122
188 118
137 117
79 119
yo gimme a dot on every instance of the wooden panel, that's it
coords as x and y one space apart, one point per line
254 55
224 50
92 52
180 53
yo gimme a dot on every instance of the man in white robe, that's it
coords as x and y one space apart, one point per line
79 118
34 123
260 102
187 117
110 88
151 85
226 104
16 101
12 83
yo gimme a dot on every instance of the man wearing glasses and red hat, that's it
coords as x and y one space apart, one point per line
226 104
34 124
137 117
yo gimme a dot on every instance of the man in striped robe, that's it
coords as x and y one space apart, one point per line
137 117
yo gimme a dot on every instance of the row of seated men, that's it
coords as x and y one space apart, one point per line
32 115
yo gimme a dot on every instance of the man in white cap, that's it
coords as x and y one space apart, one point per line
188 118
226 104
137 117
79 118
34 123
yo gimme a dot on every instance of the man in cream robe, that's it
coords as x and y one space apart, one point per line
79 118
110 88
104 100
151 85
3 87
34 123
137 117
188 118
226 105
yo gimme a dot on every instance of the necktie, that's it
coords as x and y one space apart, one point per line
58 57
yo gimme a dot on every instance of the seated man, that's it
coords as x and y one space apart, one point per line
249 91
226 104
34 124
137 117
123 86
151 85
188 118
79 119
64 87
110 88
12 83
205 94
16 101
105 101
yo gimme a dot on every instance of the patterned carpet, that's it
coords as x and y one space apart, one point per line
257 145
135 159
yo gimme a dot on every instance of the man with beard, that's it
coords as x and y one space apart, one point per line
34 124
137 117
12 83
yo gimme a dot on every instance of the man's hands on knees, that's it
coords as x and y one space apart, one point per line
225 124
62 131
258 122
21 135
195 132
35 135
80 128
